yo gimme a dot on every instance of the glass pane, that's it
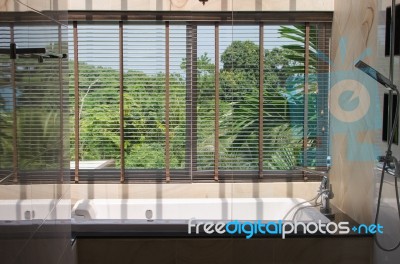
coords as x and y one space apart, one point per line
144 95
239 78
205 98
99 144
283 97
180 104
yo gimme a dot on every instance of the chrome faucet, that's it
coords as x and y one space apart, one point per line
326 193
392 164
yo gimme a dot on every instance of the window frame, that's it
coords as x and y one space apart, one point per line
189 174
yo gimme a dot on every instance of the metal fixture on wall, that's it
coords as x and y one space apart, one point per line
203 1
325 189
39 53
389 161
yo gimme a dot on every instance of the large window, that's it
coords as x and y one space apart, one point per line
33 103
197 101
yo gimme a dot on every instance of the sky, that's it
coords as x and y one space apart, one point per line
144 45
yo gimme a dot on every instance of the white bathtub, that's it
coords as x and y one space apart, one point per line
268 209
34 209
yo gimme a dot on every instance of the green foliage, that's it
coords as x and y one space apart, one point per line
242 56
5 139
297 34
287 143
240 72
144 110
38 110
147 156
38 139
240 87
295 84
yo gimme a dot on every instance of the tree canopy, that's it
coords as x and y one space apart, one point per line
144 110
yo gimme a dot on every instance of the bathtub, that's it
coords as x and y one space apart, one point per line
22 218
171 216
34 209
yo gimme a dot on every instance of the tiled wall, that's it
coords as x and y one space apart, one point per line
359 33
354 130
43 233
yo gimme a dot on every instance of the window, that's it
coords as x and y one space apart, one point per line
171 100
33 103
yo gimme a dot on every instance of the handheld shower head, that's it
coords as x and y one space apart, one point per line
374 74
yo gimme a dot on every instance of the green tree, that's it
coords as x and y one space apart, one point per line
295 85
240 72
240 85
5 136
144 111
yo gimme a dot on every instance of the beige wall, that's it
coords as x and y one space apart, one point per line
355 26
167 5
211 5
11 5
194 190
305 190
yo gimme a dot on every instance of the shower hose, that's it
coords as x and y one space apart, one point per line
387 159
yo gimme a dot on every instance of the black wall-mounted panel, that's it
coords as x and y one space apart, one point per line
385 124
397 31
